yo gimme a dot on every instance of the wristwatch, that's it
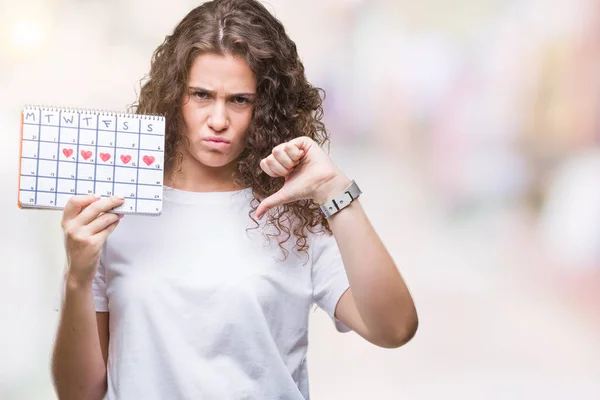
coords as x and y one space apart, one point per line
341 201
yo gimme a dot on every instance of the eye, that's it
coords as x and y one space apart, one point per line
201 95
240 100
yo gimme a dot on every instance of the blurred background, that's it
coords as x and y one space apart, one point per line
473 128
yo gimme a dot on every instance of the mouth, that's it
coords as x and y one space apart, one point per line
216 143
216 140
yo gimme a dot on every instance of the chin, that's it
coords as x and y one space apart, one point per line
214 160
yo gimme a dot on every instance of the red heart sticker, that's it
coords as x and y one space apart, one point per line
68 152
105 156
148 160
125 158
86 154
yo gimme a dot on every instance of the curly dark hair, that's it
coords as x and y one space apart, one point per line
287 105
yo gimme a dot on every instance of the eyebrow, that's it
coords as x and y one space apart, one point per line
212 92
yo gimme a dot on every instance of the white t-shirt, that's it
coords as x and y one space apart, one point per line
201 308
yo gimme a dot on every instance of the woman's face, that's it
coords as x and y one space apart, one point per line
217 108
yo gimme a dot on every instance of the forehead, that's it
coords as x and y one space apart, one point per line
222 73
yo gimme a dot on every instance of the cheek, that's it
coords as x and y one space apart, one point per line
242 122
240 143
186 107
193 117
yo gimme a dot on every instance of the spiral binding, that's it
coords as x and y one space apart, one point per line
94 111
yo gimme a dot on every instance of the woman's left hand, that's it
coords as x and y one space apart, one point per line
309 174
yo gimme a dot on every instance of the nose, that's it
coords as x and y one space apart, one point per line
218 119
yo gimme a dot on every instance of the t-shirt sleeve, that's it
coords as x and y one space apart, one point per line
329 277
99 289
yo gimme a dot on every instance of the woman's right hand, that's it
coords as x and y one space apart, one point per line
87 223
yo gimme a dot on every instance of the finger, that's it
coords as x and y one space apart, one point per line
302 143
102 222
103 234
281 155
267 169
274 200
276 167
294 152
104 205
77 203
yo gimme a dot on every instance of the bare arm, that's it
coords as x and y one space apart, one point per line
81 347
378 306
103 334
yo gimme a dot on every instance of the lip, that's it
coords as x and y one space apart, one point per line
213 139
218 144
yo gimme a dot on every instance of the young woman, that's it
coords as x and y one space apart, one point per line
211 300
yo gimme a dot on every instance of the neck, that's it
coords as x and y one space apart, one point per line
196 177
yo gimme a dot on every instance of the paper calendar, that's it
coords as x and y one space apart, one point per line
66 152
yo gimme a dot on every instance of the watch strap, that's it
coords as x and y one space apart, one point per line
341 201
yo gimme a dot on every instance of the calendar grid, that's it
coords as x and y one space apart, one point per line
115 163
90 180
75 162
57 157
100 146
77 153
93 130
37 164
96 152
65 158
48 191
137 175
100 129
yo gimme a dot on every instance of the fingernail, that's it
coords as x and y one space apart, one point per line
121 215
97 196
